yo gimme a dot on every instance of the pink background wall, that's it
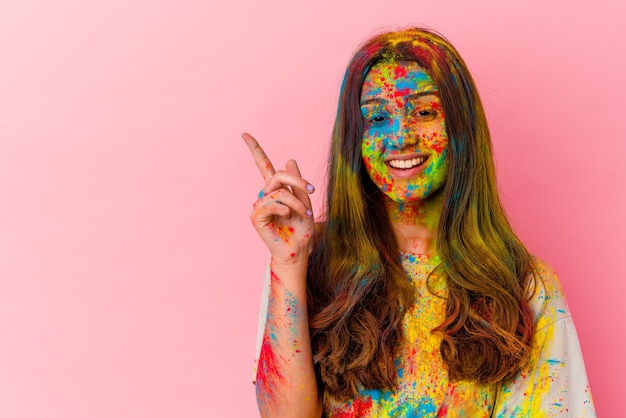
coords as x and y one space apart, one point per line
130 276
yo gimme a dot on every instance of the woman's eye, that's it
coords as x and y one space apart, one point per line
427 114
375 119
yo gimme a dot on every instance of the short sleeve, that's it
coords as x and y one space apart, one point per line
262 319
554 383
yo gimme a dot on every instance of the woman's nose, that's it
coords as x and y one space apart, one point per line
403 136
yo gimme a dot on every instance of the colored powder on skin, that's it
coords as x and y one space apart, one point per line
271 382
292 319
362 406
284 233
397 122
399 72
269 375
423 212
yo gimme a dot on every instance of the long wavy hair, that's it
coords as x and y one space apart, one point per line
357 290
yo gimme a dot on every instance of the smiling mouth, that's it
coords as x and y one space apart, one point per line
406 164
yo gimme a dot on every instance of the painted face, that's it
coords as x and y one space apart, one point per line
405 146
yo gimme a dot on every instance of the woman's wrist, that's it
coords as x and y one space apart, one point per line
292 260
290 268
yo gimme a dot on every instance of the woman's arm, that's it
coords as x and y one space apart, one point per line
285 381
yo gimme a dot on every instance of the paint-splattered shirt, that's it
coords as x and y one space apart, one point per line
553 384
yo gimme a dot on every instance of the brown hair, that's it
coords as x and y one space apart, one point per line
357 289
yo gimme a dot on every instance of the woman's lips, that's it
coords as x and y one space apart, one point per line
406 166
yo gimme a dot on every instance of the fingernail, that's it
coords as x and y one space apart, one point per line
309 213
261 194
310 187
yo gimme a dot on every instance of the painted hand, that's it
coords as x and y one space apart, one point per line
282 216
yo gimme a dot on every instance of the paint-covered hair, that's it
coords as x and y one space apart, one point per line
357 290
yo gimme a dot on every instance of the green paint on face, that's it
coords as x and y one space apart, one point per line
405 145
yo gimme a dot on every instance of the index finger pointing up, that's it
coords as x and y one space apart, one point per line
260 158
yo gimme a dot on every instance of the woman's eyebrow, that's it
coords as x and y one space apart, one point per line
422 94
414 96
372 100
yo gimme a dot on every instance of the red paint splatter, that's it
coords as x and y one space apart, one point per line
438 146
362 407
399 71
443 411
402 93
269 375
275 278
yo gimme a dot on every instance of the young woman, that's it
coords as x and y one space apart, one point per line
413 297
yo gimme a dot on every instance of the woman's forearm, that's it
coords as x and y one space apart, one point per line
285 383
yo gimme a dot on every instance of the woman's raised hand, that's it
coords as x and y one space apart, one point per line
282 215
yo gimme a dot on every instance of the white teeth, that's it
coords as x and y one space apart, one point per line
406 164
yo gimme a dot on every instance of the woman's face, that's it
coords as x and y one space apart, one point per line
405 146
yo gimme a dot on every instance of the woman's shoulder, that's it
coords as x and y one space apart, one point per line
546 294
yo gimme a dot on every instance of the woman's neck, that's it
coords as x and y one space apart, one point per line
415 224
